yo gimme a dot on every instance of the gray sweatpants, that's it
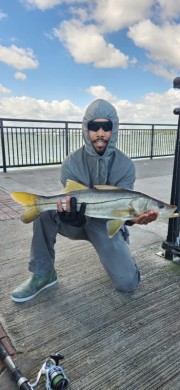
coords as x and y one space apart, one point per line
113 252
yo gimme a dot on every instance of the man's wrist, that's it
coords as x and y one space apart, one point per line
129 223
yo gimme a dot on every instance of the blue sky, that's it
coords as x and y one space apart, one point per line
56 56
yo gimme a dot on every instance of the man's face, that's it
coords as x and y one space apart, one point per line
100 138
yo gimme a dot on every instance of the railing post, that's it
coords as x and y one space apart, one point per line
66 138
172 243
152 143
3 146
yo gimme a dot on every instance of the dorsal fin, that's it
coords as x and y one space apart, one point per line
72 185
106 187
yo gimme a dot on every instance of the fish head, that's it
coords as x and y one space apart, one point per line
164 209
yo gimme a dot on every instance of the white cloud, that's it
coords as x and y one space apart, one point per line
169 9
18 58
100 92
48 4
20 76
87 45
31 108
93 19
117 14
82 13
161 42
3 15
152 108
4 90
160 70
41 4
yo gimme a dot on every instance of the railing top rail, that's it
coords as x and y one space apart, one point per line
37 120
80 122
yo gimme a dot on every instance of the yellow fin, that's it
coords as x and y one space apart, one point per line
113 226
72 185
31 211
24 198
30 214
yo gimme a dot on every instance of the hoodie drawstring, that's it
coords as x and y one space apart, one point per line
101 170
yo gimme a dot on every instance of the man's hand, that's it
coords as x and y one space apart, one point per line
144 219
71 216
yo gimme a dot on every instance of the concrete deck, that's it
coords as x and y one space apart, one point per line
109 339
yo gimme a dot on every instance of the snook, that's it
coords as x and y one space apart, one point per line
115 204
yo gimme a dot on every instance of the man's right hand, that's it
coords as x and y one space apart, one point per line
71 216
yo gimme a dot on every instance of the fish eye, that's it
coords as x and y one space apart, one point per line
160 205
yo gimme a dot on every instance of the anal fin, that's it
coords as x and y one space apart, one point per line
30 214
113 226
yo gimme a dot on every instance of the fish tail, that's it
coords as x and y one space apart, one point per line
29 201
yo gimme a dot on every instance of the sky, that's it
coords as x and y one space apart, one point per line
57 56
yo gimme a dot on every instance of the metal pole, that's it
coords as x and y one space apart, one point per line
66 138
172 243
3 146
152 142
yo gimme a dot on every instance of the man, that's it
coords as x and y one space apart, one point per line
97 162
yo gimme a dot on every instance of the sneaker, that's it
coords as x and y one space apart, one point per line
32 286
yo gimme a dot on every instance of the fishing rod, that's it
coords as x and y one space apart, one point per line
20 380
55 378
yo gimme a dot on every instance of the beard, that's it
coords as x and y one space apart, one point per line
100 145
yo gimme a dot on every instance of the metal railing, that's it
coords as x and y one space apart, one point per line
26 143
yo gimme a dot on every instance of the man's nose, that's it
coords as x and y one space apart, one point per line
100 131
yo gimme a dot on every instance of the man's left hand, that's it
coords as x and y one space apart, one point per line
144 219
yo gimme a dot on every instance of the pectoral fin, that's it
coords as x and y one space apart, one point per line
113 226
122 214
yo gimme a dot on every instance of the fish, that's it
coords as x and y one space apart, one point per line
111 203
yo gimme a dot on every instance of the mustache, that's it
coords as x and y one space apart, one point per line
100 139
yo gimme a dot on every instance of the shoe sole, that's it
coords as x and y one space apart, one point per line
34 295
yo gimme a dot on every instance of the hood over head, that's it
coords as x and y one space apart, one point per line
100 108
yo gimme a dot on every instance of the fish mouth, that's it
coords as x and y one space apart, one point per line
168 211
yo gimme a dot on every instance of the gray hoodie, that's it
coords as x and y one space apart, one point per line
115 168
87 167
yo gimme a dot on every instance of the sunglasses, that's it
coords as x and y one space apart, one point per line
95 126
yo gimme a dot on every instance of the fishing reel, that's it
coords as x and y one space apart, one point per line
55 378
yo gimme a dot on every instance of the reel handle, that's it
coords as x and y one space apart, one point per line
57 357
